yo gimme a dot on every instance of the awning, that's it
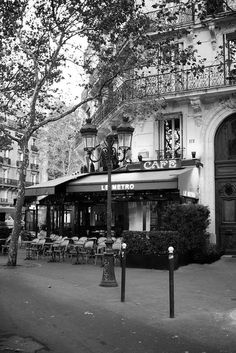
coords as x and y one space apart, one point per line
124 181
48 187
128 181
188 182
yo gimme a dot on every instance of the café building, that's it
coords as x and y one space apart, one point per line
76 204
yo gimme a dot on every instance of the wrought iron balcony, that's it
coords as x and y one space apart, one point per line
180 16
34 166
215 76
6 160
176 17
8 182
3 201
29 183
34 148
165 154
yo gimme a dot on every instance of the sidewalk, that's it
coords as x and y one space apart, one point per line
205 295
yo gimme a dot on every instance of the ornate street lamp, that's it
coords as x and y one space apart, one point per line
116 146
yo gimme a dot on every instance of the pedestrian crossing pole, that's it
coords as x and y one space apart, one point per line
171 280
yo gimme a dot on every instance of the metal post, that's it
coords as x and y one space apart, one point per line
123 270
108 278
171 280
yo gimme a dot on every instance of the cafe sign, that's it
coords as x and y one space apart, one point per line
155 164
162 164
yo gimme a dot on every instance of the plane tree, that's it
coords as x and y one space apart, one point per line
37 40
42 43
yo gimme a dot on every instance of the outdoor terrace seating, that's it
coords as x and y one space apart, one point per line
60 250
29 247
37 248
5 246
82 250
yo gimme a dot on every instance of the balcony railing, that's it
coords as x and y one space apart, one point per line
175 17
183 15
34 148
177 153
29 183
6 160
10 182
34 166
13 182
3 201
184 81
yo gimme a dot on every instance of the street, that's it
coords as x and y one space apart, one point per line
60 307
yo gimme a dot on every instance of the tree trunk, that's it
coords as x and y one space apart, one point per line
13 247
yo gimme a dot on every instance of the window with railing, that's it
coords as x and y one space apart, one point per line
230 55
169 140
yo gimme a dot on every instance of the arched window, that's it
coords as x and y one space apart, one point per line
225 147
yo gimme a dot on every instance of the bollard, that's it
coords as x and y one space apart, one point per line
171 280
123 270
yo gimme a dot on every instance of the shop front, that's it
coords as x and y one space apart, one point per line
139 194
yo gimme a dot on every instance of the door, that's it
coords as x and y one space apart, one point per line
226 214
225 174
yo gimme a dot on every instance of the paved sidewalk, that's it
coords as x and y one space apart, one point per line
205 296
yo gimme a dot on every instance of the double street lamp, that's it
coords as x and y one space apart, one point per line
116 145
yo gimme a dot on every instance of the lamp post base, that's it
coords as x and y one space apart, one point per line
108 277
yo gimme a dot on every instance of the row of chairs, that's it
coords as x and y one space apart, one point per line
83 249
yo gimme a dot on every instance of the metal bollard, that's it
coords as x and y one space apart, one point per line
171 280
123 270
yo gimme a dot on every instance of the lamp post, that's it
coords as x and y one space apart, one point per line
114 144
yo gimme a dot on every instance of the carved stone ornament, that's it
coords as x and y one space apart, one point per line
228 190
229 102
197 110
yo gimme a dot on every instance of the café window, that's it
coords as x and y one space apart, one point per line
169 137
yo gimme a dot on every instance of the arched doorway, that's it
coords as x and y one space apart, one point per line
225 181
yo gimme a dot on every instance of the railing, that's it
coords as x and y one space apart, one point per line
34 166
34 148
183 15
170 154
6 181
29 183
3 200
6 160
176 17
214 76
13 182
